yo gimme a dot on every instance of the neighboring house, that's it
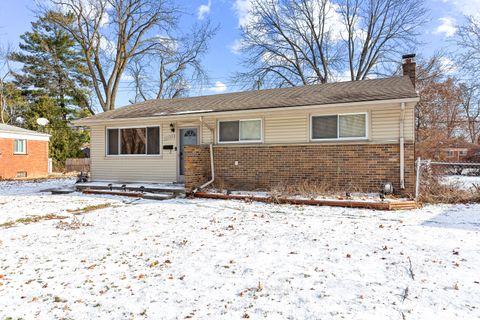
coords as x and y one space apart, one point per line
23 153
454 154
459 151
351 136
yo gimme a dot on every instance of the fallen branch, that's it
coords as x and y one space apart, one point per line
405 294
410 269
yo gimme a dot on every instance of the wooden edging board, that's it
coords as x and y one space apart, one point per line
379 205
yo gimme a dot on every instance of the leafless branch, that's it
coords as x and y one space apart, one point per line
111 33
177 63
300 42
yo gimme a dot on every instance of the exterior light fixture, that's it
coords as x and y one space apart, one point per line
172 127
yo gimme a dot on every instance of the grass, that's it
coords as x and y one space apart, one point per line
31 219
433 191
52 216
89 208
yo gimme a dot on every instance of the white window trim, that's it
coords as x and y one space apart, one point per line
134 155
24 149
240 141
367 127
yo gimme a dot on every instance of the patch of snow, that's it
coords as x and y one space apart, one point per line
462 182
214 259
18 187
354 197
24 199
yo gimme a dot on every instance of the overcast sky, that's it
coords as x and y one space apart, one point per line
223 60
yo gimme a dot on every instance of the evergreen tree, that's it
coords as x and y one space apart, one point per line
55 82
53 65
65 141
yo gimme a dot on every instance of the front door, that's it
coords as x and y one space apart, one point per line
188 136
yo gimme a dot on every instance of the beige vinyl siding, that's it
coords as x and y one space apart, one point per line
131 168
287 127
279 127
207 136
386 124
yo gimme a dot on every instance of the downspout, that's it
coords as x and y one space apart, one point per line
212 167
402 146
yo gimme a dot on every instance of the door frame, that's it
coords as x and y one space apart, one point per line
181 178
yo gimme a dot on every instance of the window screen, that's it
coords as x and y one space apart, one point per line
133 141
229 131
240 131
153 144
339 126
112 141
324 127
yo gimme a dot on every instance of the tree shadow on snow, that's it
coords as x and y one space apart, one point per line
465 217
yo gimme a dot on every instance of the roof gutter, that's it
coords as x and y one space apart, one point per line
24 135
172 117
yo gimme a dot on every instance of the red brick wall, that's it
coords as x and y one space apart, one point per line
361 167
35 162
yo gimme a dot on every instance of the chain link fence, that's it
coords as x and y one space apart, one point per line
462 175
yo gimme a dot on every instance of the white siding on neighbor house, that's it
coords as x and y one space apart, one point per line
279 127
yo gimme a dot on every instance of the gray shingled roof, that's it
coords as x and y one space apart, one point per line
319 94
18 130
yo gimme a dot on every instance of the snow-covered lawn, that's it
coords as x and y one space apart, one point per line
206 259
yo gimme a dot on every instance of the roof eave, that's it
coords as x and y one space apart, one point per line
90 122
32 133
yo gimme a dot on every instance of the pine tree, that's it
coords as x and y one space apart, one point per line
55 82
53 65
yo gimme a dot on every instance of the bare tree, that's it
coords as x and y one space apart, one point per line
468 41
177 63
4 73
429 72
290 42
7 109
111 33
299 42
470 101
376 31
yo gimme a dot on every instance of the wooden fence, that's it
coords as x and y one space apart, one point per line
78 165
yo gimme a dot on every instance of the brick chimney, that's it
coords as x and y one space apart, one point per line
409 67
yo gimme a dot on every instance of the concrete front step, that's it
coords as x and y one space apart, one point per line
149 196
166 188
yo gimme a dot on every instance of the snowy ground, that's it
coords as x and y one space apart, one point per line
462 182
206 259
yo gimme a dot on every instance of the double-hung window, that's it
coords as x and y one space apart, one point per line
339 127
20 146
133 141
243 131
